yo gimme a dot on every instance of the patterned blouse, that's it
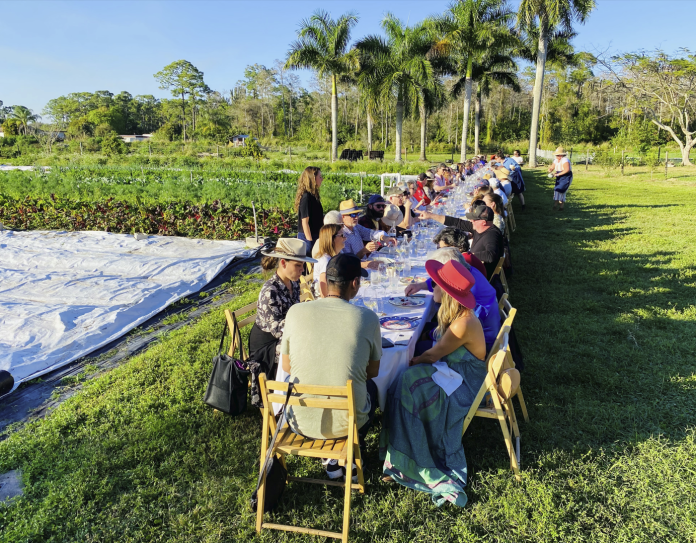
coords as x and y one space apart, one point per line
274 302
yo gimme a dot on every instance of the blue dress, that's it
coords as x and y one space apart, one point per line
421 439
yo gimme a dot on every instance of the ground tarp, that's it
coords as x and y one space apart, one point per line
65 294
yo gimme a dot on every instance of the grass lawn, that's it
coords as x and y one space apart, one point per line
606 294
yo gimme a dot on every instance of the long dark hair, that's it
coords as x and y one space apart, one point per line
307 183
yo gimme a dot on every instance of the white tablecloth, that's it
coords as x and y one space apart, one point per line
394 359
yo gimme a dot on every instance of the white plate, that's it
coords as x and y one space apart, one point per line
406 301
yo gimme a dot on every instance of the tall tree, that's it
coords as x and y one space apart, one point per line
470 30
401 67
549 16
24 116
322 45
183 80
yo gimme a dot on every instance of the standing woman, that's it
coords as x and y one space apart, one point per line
310 214
564 177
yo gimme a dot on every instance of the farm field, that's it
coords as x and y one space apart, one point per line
606 299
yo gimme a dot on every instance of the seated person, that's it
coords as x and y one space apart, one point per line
453 237
372 216
517 157
487 241
360 241
332 217
503 176
331 242
277 296
421 439
397 197
486 309
327 342
442 178
494 201
496 186
415 203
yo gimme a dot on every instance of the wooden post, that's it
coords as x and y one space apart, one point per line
623 152
658 153
80 148
666 162
587 159
191 176
217 151
571 156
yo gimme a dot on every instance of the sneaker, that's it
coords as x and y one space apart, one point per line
354 473
333 470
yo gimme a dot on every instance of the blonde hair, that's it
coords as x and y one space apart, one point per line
307 183
479 192
326 237
450 310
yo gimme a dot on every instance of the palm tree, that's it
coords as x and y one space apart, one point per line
399 66
429 100
25 116
499 68
549 16
468 31
322 46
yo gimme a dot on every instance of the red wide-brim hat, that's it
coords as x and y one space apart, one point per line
454 279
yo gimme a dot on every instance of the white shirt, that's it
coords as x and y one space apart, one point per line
502 195
506 186
558 163
319 268
518 159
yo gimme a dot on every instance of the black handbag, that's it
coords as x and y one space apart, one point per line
228 385
276 474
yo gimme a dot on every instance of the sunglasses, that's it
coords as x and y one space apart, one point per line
340 235
354 215
379 206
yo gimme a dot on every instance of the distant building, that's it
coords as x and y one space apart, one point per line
240 140
135 137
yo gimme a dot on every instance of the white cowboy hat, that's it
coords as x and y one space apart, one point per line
560 152
392 215
290 249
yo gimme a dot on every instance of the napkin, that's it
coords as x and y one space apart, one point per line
446 378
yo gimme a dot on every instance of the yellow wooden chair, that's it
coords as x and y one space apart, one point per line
500 406
345 450
507 314
306 290
236 315
511 213
500 272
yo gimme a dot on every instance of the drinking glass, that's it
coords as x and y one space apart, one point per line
422 248
400 265
372 304
393 277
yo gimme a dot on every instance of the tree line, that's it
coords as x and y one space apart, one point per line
450 79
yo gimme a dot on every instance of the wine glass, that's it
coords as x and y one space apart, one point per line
372 304
422 248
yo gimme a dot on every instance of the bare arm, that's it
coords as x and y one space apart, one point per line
425 215
285 361
449 343
372 369
323 287
305 228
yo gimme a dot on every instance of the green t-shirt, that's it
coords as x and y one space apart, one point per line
330 341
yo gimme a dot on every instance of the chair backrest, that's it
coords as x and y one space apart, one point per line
306 290
497 269
506 325
505 307
338 398
240 324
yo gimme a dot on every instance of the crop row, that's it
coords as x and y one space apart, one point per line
214 220
152 187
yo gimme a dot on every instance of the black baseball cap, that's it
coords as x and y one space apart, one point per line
480 213
376 199
344 267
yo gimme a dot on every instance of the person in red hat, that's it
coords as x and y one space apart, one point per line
427 404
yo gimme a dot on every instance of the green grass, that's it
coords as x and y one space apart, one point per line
605 292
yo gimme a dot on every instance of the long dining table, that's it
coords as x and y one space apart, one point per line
394 359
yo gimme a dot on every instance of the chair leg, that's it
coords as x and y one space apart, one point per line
348 483
359 463
502 419
523 405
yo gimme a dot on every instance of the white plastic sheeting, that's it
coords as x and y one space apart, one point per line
65 294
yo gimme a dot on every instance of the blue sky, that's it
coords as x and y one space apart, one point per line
62 47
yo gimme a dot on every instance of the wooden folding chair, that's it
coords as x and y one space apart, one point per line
501 408
236 315
345 450
507 314
306 290
511 214
500 272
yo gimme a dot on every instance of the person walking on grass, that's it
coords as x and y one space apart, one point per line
310 214
562 172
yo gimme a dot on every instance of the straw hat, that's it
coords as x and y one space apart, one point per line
560 152
290 249
454 279
502 173
346 207
392 215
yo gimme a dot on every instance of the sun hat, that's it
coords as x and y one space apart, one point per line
344 267
395 191
346 207
560 152
290 249
392 215
429 174
502 173
376 199
454 279
333 217
480 213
